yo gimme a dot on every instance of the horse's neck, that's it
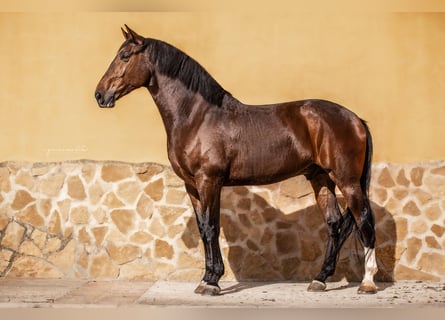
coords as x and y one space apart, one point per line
175 102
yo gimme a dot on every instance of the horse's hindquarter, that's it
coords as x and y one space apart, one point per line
336 134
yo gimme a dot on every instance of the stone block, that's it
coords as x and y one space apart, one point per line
422 196
386 258
163 269
4 220
440 170
269 214
172 180
116 172
401 227
435 185
144 207
102 267
309 248
129 191
433 212
39 238
79 215
99 234
31 216
25 179
40 169
88 171
5 184
380 195
21 200
174 230
33 267
100 215
64 209
417 176
5 260
69 167
95 193
76 189
411 208
53 244
124 253
401 178
83 260
112 201
419 226
137 270
175 196
64 259
432 262
163 249
13 236
123 219
83 236
438 230
54 225
192 275
286 242
51 185
141 237
289 268
186 260
145 172
170 214
413 248
231 229
432 242
385 179
406 273
155 190
256 267
296 187
44 207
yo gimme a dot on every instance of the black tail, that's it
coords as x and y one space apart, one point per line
365 179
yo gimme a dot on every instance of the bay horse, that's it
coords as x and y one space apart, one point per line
214 140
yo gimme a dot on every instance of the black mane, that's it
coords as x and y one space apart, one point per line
175 64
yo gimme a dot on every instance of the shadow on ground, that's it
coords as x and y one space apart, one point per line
262 243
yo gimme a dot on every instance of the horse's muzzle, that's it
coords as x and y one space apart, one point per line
106 100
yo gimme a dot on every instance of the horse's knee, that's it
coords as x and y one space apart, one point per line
334 225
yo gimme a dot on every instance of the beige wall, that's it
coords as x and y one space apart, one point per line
389 68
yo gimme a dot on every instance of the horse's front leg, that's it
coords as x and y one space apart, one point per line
206 203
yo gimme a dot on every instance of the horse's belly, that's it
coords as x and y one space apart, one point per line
265 168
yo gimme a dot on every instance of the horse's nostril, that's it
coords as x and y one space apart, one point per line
98 96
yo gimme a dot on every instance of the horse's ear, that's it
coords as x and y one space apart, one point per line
125 33
130 34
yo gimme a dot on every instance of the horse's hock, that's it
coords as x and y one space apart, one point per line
108 220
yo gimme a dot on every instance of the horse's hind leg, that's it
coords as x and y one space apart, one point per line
358 203
338 228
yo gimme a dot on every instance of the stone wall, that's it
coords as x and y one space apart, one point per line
108 220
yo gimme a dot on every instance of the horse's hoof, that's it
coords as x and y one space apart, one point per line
206 289
316 286
211 290
367 288
200 288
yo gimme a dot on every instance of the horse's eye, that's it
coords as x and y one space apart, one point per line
125 56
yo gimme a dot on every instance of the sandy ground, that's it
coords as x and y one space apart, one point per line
41 293
38 299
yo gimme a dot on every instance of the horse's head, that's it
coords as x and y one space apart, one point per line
128 71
